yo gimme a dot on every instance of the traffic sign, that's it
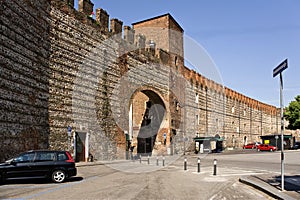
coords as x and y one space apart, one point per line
277 71
280 68
69 131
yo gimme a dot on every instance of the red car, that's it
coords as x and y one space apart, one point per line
266 147
249 146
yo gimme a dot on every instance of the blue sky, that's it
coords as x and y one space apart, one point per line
245 39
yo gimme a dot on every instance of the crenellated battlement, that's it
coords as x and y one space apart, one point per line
107 26
129 34
86 7
59 72
150 47
102 18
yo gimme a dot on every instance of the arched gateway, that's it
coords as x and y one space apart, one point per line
148 123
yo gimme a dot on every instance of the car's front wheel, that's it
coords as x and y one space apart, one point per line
58 176
271 149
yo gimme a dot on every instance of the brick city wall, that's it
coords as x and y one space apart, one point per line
60 68
24 76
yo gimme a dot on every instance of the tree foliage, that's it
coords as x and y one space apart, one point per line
292 114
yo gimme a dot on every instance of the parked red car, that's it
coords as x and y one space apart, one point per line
249 146
266 147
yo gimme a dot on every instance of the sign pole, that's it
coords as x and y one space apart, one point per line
278 70
281 129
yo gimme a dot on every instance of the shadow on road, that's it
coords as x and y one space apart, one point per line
291 183
75 179
40 181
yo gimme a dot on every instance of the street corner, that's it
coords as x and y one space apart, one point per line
269 184
85 164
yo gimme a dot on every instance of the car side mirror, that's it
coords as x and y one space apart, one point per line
13 162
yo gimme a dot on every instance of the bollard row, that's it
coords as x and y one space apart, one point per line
157 160
198 165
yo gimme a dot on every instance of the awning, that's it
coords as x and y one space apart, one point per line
274 136
209 138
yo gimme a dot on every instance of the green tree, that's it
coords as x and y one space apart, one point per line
292 114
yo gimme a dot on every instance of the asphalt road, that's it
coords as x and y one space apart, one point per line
149 181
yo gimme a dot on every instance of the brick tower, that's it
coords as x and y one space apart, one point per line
165 33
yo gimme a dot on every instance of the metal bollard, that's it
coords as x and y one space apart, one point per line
140 158
215 167
198 165
148 160
163 161
156 161
185 163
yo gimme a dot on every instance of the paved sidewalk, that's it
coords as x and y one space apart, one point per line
271 184
145 164
267 183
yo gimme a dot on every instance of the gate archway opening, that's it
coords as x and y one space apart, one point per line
147 116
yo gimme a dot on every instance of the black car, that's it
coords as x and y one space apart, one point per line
54 165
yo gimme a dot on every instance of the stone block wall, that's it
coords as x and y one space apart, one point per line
234 117
83 71
24 76
60 68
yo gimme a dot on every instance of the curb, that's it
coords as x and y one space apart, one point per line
85 164
264 187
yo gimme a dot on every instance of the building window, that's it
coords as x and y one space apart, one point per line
177 106
172 123
197 120
197 98
232 109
